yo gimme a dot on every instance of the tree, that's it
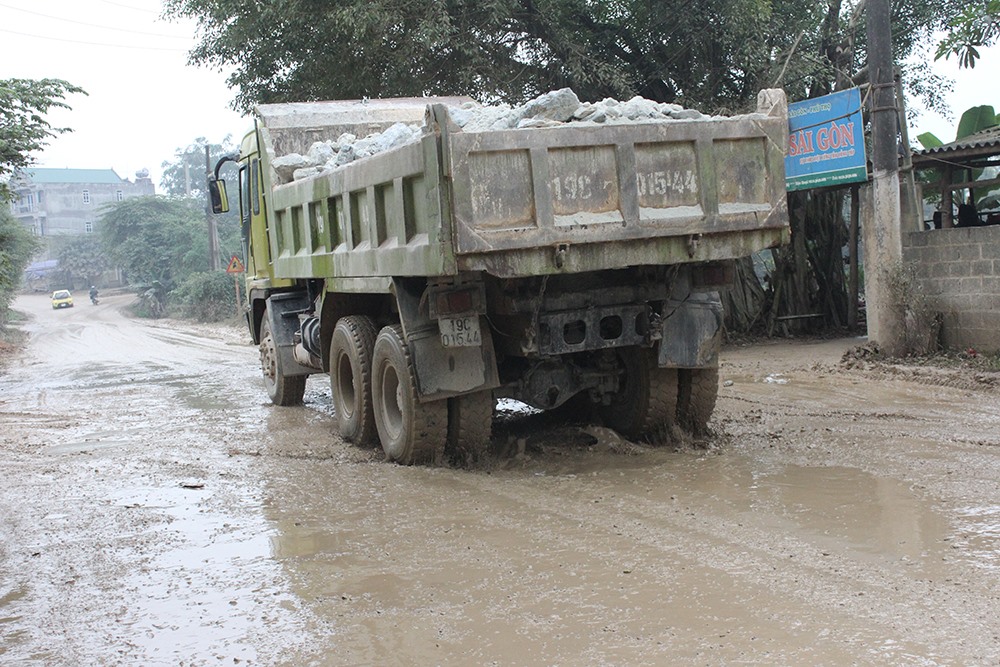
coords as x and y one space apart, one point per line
714 54
17 245
156 239
707 52
184 175
976 24
84 257
23 128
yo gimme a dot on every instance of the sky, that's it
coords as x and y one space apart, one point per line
145 102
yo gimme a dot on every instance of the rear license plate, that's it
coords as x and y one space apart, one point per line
460 331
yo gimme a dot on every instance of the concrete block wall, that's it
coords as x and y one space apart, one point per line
959 273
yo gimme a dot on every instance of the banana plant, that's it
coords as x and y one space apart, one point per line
974 119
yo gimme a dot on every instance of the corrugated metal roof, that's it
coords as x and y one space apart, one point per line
51 176
989 138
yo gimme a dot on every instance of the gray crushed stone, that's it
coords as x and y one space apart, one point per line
552 109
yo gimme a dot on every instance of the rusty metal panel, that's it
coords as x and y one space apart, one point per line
584 185
501 204
667 182
292 127
662 250
379 217
525 190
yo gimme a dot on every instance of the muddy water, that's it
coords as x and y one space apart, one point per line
157 510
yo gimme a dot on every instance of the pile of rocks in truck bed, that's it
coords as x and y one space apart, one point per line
552 109
563 106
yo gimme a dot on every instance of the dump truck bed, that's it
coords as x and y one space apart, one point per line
578 197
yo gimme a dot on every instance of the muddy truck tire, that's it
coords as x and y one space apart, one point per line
351 350
698 389
410 431
282 389
646 402
470 422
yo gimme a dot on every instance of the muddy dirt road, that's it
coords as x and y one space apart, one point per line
156 510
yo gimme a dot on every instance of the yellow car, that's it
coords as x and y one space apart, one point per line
61 298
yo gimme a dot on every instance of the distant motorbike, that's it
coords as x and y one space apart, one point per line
93 297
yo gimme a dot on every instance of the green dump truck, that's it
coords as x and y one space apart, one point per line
551 264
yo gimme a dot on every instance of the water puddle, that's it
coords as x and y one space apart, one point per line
848 510
10 596
205 594
100 441
83 447
393 547
976 538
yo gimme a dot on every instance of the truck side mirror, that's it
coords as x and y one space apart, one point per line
217 193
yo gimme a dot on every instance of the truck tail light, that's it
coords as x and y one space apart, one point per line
713 275
449 303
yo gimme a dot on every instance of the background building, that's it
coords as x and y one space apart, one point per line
61 204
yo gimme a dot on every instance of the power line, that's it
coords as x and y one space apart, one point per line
77 41
134 9
93 25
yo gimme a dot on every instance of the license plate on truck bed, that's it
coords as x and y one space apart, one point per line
460 331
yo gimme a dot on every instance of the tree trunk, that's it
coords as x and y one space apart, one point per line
745 301
809 277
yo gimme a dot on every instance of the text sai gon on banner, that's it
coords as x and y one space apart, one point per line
826 143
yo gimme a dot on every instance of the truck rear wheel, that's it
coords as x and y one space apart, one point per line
351 378
410 431
646 401
698 391
283 389
470 420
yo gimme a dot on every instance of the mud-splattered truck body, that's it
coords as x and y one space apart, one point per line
572 263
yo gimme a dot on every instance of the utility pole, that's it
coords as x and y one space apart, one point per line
882 235
912 215
213 231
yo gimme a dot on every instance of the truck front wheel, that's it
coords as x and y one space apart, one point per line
283 389
644 406
410 431
351 378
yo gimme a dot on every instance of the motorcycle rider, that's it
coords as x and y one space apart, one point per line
93 295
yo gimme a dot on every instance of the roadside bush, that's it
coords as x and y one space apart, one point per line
17 245
151 302
921 330
205 297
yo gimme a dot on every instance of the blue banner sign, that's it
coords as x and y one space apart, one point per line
826 142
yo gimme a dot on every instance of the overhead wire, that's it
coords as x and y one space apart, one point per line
133 8
93 25
104 44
